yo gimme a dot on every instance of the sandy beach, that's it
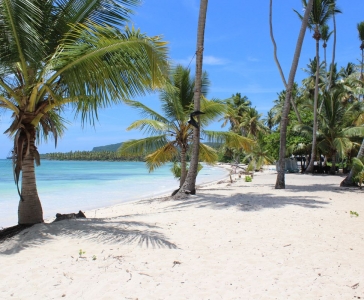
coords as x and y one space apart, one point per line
240 240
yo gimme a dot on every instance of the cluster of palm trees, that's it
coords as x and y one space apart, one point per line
330 97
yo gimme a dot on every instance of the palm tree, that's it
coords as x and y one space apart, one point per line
334 10
277 61
320 14
360 27
190 182
280 182
237 106
171 134
336 125
52 55
325 36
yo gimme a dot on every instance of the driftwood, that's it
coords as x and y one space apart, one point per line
60 217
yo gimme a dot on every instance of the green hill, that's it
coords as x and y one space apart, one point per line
112 147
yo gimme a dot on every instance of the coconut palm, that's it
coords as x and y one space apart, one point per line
237 106
325 36
171 135
54 53
280 182
358 167
190 182
322 11
337 129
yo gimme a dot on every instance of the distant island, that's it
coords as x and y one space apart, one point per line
100 153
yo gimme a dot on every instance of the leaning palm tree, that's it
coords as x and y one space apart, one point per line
280 182
321 12
52 55
171 134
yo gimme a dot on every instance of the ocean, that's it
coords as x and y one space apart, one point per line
70 186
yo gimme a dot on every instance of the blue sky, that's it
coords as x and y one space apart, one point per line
238 57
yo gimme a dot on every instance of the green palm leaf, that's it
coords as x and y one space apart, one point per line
161 156
230 139
142 146
207 154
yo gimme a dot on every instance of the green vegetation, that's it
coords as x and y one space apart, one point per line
354 213
170 133
89 155
248 178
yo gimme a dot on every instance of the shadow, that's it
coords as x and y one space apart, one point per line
98 230
249 201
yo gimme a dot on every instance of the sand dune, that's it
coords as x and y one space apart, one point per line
240 240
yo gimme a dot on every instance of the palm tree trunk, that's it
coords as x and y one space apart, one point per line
333 164
183 166
362 62
348 181
280 183
333 52
190 182
277 61
30 209
310 168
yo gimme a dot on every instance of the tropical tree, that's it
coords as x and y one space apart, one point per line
337 130
190 182
171 134
280 183
54 53
325 36
358 167
321 12
237 106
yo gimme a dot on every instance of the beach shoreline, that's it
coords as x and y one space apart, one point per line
233 240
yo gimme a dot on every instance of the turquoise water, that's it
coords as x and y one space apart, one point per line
70 186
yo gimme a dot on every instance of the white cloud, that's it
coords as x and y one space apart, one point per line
209 60
213 60
253 59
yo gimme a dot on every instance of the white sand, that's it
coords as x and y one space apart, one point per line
232 241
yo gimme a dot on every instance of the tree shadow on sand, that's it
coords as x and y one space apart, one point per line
107 231
249 201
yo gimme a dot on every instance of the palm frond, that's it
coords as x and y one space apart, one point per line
142 147
147 112
149 126
207 154
230 139
107 66
161 156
